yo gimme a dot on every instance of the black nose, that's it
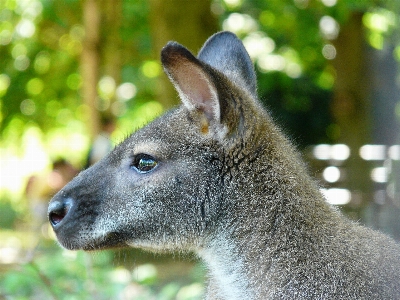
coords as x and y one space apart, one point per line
58 210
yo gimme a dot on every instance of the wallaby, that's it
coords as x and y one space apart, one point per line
215 176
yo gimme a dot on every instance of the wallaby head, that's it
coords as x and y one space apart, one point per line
164 186
215 176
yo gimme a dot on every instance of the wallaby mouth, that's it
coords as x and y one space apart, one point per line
58 210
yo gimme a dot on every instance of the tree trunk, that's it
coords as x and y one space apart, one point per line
90 63
111 43
189 23
351 107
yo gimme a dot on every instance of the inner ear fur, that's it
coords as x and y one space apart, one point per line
204 91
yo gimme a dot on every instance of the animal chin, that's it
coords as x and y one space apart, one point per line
107 241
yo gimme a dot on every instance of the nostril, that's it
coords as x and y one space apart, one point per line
56 217
58 210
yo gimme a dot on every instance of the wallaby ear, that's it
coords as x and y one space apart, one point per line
192 81
202 82
226 53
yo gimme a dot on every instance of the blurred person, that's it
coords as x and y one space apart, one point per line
41 187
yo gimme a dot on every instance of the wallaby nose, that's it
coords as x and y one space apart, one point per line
58 209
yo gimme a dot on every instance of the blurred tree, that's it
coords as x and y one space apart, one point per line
90 60
101 54
112 11
64 61
39 49
351 104
188 22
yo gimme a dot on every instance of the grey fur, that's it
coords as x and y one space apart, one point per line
230 187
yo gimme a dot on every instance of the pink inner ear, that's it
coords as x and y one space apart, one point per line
196 90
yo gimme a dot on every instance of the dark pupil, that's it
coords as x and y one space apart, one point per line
146 164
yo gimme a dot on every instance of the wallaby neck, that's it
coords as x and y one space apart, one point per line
267 216
241 251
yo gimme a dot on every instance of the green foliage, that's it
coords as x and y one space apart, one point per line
61 274
40 48
295 81
296 77
32 55
8 215
300 105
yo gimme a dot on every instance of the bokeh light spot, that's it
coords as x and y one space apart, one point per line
151 69
336 196
21 63
233 3
19 50
329 27
28 107
329 3
271 62
5 36
74 81
29 9
106 87
373 152
4 84
267 18
257 44
26 28
126 91
376 40
379 21
326 79
42 62
329 51
239 23
77 32
379 175
331 174
35 86
70 45
302 4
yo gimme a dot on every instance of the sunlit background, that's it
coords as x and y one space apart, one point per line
328 72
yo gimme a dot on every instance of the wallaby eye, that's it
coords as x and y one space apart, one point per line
144 163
